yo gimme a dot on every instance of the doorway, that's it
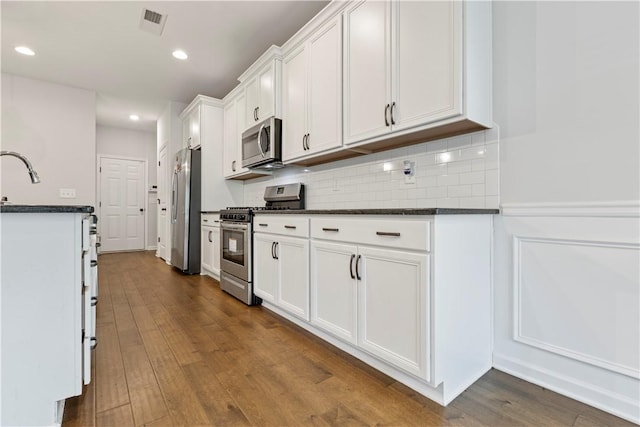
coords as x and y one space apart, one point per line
122 204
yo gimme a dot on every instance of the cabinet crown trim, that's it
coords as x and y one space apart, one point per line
200 100
274 52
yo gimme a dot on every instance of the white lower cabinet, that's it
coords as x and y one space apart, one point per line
373 298
210 245
393 289
281 263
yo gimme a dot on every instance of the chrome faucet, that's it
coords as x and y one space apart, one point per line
33 174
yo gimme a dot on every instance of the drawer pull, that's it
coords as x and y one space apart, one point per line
263 225
94 301
94 343
217 220
94 263
330 229
353 276
205 220
291 227
386 233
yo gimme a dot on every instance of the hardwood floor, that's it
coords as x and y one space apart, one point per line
174 350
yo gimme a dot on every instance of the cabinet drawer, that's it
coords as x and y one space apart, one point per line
287 225
411 234
210 219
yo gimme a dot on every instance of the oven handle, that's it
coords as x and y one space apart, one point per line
234 227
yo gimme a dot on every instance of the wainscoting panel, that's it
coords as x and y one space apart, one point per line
579 299
567 300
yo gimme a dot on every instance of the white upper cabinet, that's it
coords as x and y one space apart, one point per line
312 94
404 66
191 129
262 82
233 127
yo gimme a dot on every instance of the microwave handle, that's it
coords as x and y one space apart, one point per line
259 135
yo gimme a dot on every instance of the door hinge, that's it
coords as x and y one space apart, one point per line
158 240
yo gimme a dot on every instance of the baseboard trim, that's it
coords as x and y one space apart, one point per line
622 208
592 395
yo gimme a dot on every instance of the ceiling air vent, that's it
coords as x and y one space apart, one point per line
152 22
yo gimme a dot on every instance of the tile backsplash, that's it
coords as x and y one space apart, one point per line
461 171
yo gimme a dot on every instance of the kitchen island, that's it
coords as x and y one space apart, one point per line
49 290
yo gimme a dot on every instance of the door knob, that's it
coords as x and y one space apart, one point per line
141 210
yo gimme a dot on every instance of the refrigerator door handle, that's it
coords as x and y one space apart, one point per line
174 197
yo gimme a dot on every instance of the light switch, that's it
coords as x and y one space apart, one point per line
67 193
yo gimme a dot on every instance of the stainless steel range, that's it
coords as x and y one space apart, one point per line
236 250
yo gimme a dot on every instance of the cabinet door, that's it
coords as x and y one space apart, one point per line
294 105
241 125
251 107
426 70
193 139
266 91
366 69
207 248
324 105
333 289
393 310
265 271
215 249
293 295
230 152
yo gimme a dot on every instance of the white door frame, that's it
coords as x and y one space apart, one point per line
146 192
166 170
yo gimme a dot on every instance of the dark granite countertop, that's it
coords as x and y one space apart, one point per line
209 212
45 209
384 211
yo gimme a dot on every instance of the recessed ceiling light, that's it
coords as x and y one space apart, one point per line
180 54
25 50
134 117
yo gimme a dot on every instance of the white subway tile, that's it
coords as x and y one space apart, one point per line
448 203
477 189
427 181
472 178
460 141
472 153
459 167
492 135
472 202
477 165
399 194
448 156
436 192
445 180
436 146
477 138
492 156
440 169
459 191
492 202
492 183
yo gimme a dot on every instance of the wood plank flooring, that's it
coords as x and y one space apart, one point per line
174 350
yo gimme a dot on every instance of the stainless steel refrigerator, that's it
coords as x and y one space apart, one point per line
185 211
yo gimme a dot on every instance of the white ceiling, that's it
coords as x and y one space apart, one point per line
98 45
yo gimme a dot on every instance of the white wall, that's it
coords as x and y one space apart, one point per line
169 134
567 247
133 144
54 126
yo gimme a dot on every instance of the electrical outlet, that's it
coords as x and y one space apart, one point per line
409 172
67 193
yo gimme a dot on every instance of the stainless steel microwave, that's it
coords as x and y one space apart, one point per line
262 144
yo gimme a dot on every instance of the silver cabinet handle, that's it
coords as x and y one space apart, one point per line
257 113
393 107
386 233
304 142
209 237
351 266
386 114
275 249
357 267
233 166
330 229
291 227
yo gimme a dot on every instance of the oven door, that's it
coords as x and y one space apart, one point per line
235 250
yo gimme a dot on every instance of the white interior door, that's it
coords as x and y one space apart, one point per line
163 224
122 204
